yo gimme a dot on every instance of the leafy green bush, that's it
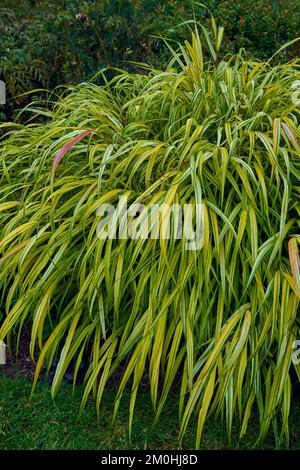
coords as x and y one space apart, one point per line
261 27
67 42
222 320
47 43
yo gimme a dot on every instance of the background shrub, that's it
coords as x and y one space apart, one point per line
46 43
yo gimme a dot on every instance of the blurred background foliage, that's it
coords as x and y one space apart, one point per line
45 43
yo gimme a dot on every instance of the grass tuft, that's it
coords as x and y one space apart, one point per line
222 134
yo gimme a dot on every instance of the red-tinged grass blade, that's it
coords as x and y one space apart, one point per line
291 136
65 149
295 262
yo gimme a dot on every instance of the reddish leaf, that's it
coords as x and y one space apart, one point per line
66 148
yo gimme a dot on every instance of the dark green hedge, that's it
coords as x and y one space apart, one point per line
45 42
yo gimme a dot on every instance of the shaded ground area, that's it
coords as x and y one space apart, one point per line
19 362
44 424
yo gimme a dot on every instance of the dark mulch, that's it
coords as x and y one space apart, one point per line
19 362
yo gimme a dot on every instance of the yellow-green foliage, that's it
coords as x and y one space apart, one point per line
224 318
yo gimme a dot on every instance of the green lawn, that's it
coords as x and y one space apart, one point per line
44 424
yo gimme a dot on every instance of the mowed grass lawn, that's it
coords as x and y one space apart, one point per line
48 424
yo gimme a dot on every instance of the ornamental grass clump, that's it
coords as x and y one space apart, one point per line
220 318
